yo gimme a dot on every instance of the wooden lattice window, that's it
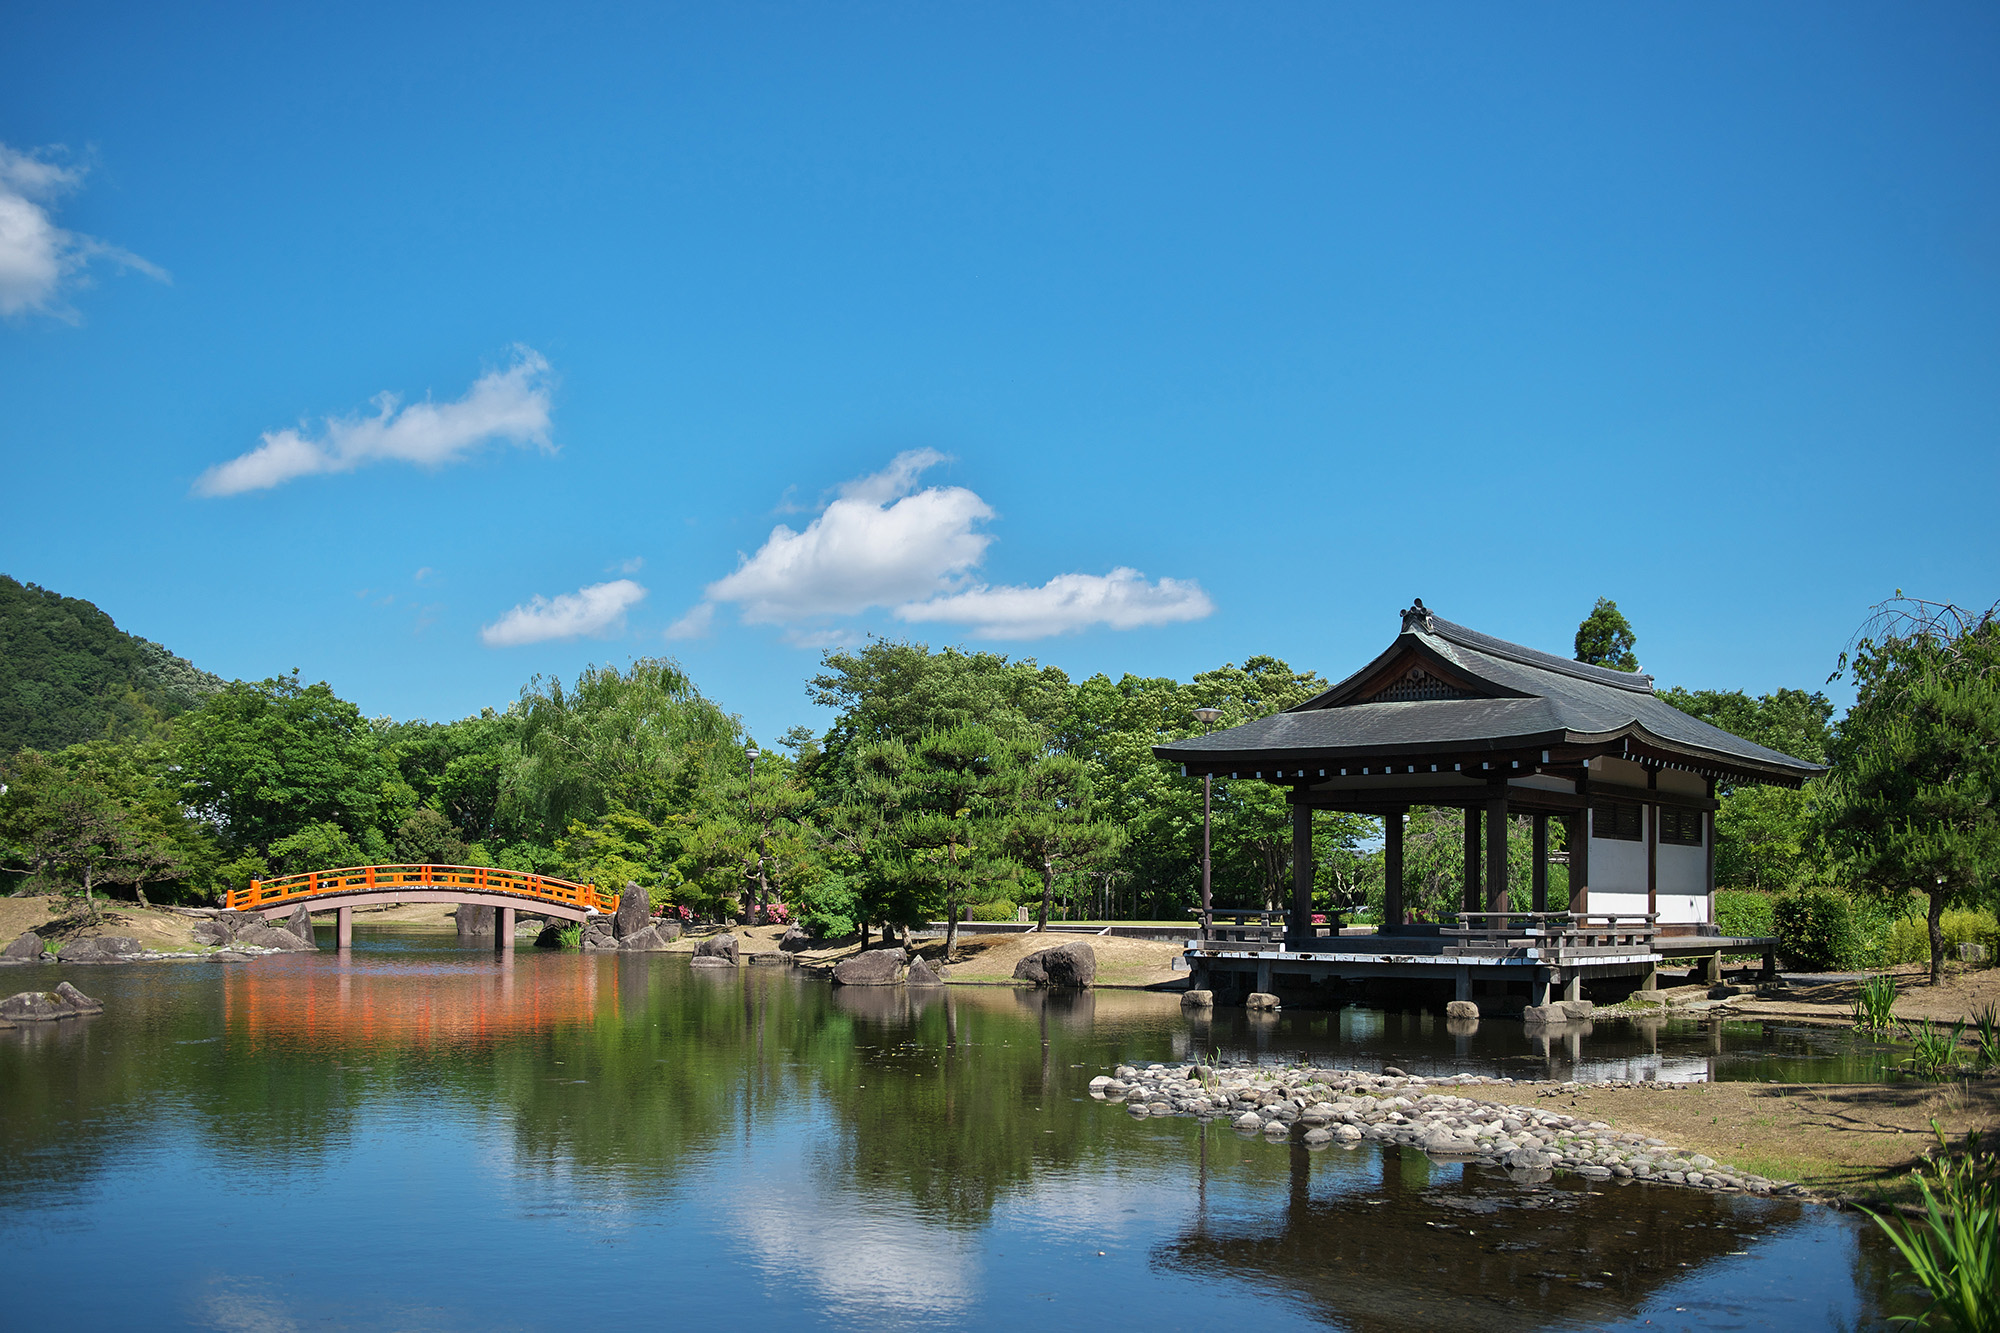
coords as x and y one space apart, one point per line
1619 820
1682 828
1414 684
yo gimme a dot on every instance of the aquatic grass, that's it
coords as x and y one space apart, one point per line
1934 1050
1875 1004
1953 1247
1986 1028
571 937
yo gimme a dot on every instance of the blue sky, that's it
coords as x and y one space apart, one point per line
1132 338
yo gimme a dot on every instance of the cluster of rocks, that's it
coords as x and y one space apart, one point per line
1327 1108
884 967
45 1006
631 929
1071 966
235 933
717 951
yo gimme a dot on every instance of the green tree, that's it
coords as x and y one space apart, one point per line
63 829
960 789
1763 835
1913 803
1057 828
1605 638
264 761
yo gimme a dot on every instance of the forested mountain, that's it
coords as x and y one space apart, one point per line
68 674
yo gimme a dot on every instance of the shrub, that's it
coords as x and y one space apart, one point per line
1000 909
1909 938
777 914
1743 913
1815 928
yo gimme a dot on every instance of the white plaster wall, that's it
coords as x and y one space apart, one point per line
1617 772
1633 903
1683 869
1679 908
1617 866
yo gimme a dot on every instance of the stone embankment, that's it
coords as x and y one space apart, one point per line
1344 1108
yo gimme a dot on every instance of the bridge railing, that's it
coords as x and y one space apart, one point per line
386 879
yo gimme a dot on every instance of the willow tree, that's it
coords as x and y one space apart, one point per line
1913 802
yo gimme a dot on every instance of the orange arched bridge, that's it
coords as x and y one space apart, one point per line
341 891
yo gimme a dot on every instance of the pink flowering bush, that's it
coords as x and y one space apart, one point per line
777 914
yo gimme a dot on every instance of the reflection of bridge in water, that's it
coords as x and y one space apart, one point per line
341 891
417 1007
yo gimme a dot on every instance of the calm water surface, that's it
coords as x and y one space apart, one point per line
427 1138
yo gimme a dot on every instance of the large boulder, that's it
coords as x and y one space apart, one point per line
1031 969
551 936
635 911
1198 999
1261 1000
39 1006
263 937
871 967
920 974
101 949
1461 1009
720 947
25 948
1070 966
647 939
300 923
797 939
474 921
212 933
597 936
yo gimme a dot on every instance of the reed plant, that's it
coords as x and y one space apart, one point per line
1953 1246
1986 1027
1874 1005
1934 1050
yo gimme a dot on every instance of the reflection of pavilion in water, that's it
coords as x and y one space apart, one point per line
413 1007
1390 1241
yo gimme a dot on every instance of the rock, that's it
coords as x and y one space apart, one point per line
1971 953
1260 1000
920 974
1249 1121
551 936
1543 1014
1390 1071
300 923
1316 1137
1070 966
721 946
871 967
27 947
797 939
712 962
474 921
1198 999
1100 1083
260 936
212 933
1031 969
41 1006
1528 1159
1578 1009
635 912
1461 1009
647 939
110 949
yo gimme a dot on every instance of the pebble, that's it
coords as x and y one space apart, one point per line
1329 1106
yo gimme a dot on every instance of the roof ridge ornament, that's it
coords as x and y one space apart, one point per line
1418 617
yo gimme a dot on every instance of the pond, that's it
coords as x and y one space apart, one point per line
422 1137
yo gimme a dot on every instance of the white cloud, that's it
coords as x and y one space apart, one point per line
876 545
37 257
1122 599
511 404
884 543
598 609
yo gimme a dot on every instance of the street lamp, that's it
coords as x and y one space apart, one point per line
1207 717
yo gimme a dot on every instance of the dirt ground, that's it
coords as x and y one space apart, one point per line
57 922
1839 1139
1962 994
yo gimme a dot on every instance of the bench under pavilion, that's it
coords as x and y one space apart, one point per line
1449 717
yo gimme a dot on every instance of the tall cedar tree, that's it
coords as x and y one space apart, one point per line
1605 638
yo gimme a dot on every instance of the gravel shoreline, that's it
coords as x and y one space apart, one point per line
1329 1108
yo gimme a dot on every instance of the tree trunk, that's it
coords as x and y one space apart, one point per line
1937 935
864 932
90 902
1048 889
139 887
950 922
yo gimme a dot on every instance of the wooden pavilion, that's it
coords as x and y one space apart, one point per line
1447 716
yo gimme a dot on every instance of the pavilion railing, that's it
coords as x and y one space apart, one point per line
1552 935
386 880
1246 929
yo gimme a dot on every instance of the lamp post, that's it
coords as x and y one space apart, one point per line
1207 717
756 911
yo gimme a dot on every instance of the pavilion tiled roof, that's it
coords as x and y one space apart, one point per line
1507 697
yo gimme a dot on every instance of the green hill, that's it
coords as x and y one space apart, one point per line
68 674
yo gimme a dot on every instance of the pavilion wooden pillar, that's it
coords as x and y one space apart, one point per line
1392 870
1538 879
1302 870
1577 831
1471 901
1496 851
